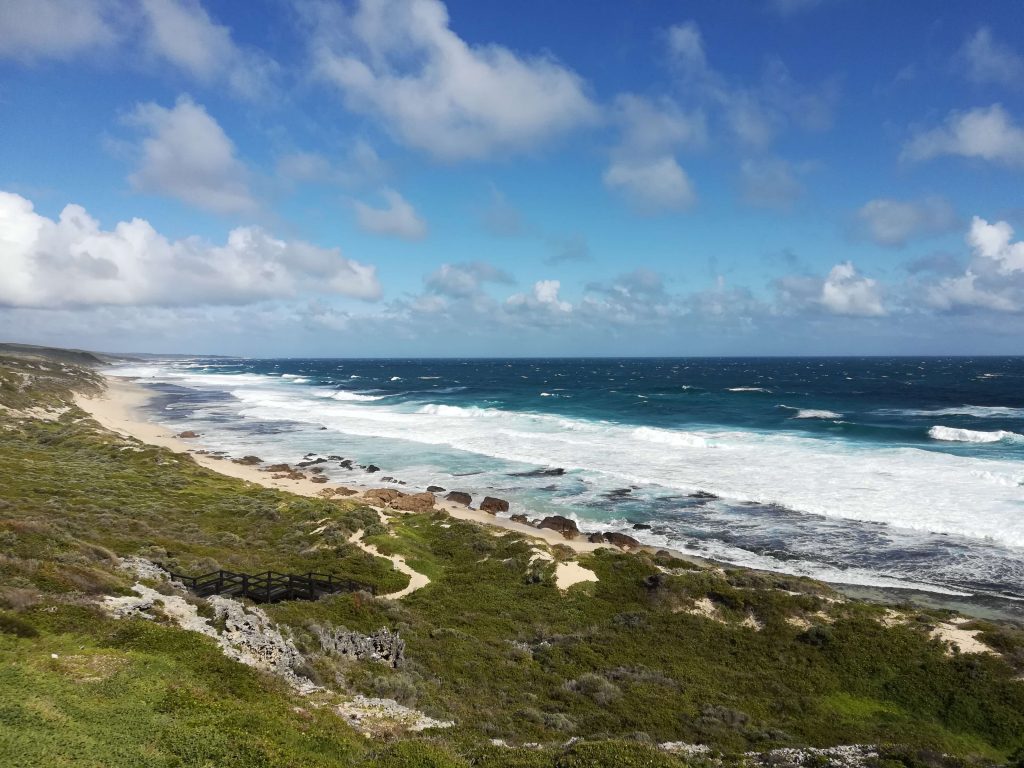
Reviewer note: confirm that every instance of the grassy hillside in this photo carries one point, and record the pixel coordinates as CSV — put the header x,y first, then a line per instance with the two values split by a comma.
x,y
657,650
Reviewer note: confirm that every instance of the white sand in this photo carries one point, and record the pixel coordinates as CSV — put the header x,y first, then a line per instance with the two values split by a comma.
x,y
417,580
119,410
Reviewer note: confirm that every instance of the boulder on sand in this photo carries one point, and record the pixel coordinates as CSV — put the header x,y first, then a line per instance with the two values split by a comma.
x,y
249,461
188,433
414,502
621,540
382,497
563,525
278,468
318,479
459,498
596,538
521,519
493,505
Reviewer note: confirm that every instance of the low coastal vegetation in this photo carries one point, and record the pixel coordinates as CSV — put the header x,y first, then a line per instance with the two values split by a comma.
x,y
634,669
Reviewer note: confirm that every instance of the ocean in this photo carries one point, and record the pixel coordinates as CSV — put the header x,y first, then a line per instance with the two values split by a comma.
x,y
883,472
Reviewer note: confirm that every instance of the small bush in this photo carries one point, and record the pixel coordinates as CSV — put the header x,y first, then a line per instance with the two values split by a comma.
x,y
17,626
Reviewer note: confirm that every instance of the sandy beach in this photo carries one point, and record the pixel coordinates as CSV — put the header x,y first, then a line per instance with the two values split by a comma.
x,y
119,409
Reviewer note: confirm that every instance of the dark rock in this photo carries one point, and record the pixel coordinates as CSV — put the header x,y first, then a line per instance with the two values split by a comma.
x,y
332,457
278,468
493,505
553,472
345,464
617,494
621,540
563,525
596,538
372,468
702,495
641,527
435,489
317,470
311,462
318,479
249,461
459,498
521,519
188,433
663,553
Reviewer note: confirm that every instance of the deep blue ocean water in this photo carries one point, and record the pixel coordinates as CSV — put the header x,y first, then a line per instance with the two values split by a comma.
x,y
877,471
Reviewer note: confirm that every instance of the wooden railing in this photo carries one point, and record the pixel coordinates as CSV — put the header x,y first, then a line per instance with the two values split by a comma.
x,y
268,587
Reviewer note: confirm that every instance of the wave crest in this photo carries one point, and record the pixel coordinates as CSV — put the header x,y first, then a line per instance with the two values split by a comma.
x,y
952,434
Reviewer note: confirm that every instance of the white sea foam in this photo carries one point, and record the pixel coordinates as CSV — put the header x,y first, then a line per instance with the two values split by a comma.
x,y
342,394
748,389
953,434
395,378
978,411
811,413
915,489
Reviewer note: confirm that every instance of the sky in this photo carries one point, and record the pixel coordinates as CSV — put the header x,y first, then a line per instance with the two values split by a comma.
x,y
396,178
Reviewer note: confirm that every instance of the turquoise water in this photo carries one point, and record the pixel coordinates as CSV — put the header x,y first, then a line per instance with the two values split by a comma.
x,y
889,472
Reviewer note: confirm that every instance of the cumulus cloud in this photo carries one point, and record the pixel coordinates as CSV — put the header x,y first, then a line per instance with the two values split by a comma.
x,y
770,183
986,60
399,61
72,261
843,291
651,185
181,33
994,278
462,281
643,166
894,222
187,155
542,304
985,133
397,219
32,30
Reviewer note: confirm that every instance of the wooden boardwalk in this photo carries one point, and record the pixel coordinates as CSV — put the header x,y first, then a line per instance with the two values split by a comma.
x,y
268,587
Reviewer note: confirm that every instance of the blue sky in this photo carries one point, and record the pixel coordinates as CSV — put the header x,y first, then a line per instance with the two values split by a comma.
x,y
413,177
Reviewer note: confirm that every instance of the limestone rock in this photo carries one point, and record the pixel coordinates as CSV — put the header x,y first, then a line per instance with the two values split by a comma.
x,y
459,498
415,502
383,646
188,433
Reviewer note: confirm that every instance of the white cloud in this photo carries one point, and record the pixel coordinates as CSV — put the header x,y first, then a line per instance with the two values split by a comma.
x,y
894,222
399,61
181,32
187,155
651,127
989,61
359,166
32,30
994,280
74,262
847,292
844,291
651,185
541,304
461,281
984,133
769,183
398,219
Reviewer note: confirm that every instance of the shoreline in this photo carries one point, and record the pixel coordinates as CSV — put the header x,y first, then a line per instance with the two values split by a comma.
x,y
119,408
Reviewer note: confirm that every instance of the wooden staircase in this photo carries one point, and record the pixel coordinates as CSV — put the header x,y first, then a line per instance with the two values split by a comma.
x,y
268,587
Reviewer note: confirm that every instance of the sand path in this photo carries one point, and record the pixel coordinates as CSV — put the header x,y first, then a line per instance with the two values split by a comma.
x,y
417,580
